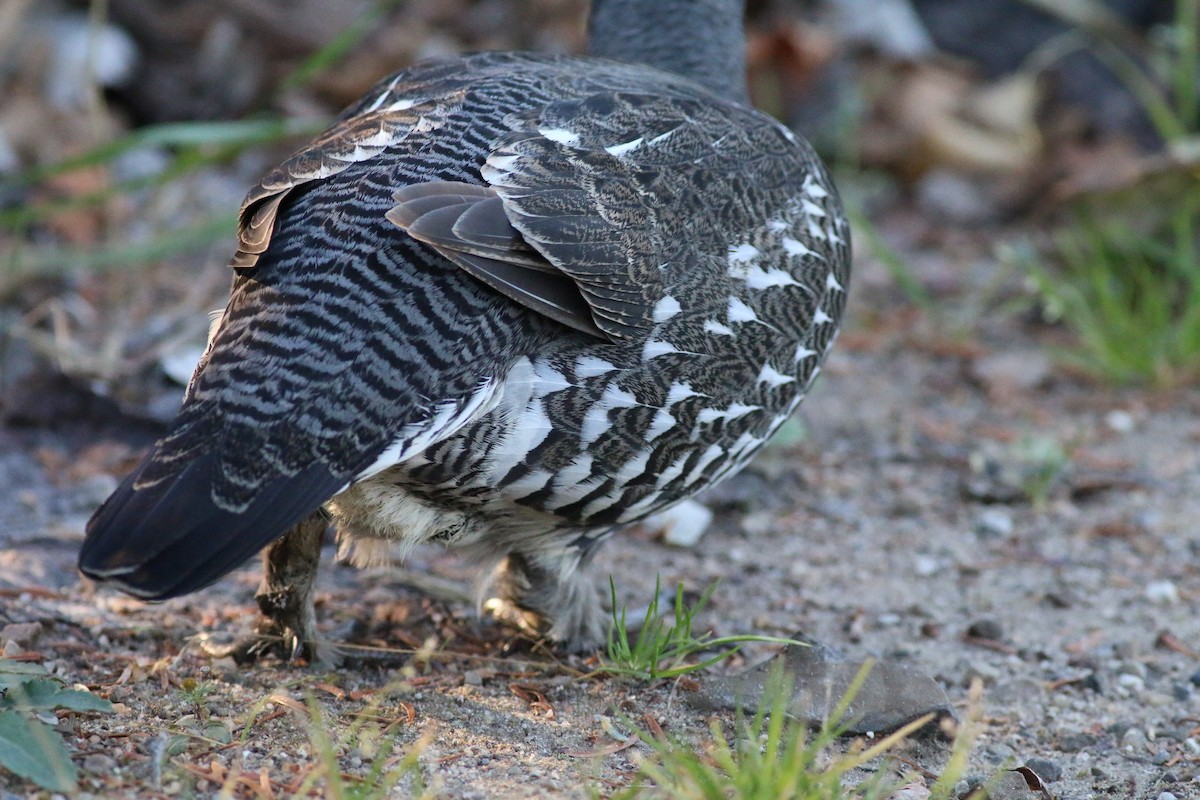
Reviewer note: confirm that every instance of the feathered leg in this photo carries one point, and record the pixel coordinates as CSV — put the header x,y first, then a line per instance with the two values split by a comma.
x,y
550,594
285,595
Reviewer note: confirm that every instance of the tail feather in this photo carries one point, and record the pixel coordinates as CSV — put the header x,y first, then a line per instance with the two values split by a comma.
x,y
171,537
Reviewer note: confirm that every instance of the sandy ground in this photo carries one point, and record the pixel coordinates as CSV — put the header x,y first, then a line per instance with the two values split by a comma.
x,y
894,521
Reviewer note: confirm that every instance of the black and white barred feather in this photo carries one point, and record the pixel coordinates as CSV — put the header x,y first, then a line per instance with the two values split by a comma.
x,y
509,301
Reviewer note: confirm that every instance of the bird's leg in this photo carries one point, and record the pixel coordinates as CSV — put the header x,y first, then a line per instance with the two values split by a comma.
x,y
551,594
285,595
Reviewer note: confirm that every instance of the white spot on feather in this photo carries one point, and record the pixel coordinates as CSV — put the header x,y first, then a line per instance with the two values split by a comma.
x,y
595,423
759,279
666,307
402,104
719,328
655,348
383,96
679,392
526,485
773,377
591,366
560,135
619,150
447,417
711,454
663,421
740,312
821,318
548,380
735,410
831,283
795,247
742,253
803,352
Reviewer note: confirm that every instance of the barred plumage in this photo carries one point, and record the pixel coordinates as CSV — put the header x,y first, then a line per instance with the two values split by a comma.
x,y
508,301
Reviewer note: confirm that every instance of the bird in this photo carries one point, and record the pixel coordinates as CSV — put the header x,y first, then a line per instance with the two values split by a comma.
x,y
509,302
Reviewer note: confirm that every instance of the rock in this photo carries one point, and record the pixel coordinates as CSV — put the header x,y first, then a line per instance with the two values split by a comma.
x,y
1075,742
1012,372
1130,684
21,634
993,522
1046,769
84,55
1009,786
1164,593
1120,421
948,194
1134,740
891,696
986,629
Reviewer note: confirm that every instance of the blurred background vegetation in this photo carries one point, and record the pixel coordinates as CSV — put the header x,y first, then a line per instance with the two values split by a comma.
x,y
1029,162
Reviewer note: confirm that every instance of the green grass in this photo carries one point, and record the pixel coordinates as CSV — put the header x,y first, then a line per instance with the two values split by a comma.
x,y
1130,296
773,756
1124,273
666,649
387,771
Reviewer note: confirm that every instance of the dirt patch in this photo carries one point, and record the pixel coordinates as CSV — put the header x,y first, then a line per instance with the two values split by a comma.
x,y
874,531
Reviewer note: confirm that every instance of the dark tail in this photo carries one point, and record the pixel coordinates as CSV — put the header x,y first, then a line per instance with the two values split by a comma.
x,y
171,538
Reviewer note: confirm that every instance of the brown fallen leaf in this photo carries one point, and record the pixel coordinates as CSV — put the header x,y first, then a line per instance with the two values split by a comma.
x,y
1034,781
534,697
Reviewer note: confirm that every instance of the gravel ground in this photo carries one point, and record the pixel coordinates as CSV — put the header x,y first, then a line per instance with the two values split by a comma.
x,y
894,521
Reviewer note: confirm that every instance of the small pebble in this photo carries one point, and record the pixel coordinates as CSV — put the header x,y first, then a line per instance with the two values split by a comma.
x,y
1120,421
988,629
1134,739
1195,679
1162,592
994,522
1074,742
1167,796
1133,668
1130,684
1161,757
925,566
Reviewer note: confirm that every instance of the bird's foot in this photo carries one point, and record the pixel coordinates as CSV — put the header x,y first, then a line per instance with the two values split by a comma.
x,y
285,598
549,596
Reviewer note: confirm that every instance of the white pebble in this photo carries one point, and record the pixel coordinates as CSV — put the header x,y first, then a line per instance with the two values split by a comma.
x,y
1120,421
1131,684
994,522
926,566
1162,592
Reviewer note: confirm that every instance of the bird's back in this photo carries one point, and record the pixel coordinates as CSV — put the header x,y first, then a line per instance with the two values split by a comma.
x,y
539,294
